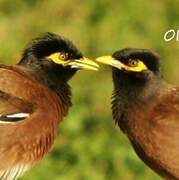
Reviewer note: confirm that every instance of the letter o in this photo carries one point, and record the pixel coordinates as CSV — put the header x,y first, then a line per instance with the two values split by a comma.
x,y
172,32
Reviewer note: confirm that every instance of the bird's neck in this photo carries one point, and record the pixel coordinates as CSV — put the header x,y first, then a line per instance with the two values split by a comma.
x,y
126,96
53,81
137,91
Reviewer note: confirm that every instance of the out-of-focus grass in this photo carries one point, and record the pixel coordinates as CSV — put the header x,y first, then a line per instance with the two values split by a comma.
x,y
89,145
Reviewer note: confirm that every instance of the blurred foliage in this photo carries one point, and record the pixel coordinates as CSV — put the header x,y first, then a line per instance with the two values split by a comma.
x,y
89,145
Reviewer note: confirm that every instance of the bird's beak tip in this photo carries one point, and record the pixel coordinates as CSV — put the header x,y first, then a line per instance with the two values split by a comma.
x,y
110,61
104,59
84,63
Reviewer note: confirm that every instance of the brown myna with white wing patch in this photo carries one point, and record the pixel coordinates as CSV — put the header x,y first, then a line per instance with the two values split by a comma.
x,y
34,98
146,108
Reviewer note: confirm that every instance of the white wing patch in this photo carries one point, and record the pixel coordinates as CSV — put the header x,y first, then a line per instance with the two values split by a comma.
x,y
12,118
18,115
14,172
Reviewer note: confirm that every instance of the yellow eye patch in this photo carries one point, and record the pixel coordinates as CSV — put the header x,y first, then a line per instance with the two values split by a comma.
x,y
140,66
58,58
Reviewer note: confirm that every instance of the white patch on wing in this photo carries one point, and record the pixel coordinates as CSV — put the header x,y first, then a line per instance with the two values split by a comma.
x,y
18,115
14,172
12,116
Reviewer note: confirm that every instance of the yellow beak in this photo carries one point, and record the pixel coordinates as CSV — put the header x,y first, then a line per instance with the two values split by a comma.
x,y
83,63
109,60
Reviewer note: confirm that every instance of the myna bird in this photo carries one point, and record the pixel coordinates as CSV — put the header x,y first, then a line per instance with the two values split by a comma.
x,y
34,98
146,108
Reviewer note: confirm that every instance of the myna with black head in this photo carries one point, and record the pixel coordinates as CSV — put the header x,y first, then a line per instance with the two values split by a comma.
x,y
146,108
34,98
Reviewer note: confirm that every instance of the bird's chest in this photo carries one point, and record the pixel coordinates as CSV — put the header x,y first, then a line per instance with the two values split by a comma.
x,y
132,119
43,127
37,147
152,138
136,122
146,125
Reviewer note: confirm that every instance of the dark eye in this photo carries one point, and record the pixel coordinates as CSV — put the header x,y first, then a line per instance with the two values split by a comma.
x,y
63,56
133,62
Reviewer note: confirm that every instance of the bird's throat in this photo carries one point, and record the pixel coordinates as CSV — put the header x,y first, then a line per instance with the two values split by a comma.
x,y
128,96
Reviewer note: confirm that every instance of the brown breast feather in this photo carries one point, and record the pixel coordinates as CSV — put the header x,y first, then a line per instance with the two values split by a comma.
x,y
153,130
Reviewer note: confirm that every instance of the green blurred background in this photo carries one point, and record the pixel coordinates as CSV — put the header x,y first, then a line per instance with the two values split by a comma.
x,y
89,145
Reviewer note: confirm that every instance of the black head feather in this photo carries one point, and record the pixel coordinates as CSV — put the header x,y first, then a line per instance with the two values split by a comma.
x,y
150,59
131,83
48,44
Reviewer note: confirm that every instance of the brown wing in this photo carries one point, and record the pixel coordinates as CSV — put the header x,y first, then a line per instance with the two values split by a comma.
x,y
157,141
13,109
29,115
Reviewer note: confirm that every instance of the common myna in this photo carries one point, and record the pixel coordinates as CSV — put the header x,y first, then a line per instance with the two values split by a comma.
x,y
146,108
34,98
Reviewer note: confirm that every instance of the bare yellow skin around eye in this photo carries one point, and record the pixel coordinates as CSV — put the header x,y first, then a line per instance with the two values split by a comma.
x,y
55,57
140,67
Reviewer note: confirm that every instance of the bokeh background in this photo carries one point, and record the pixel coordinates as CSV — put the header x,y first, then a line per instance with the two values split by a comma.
x,y
89,145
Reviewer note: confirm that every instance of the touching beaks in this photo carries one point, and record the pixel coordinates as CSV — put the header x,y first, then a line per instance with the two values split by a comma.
x,y
83,63
109,60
